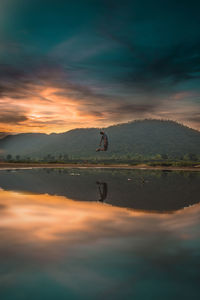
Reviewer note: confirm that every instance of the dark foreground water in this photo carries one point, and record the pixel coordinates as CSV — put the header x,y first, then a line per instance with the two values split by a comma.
x,y
99,234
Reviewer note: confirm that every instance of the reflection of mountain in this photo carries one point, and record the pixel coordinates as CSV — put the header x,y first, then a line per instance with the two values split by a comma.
x,y
148,137
137,189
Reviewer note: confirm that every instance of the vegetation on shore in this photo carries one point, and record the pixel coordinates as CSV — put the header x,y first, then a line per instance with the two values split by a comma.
x,y
157,161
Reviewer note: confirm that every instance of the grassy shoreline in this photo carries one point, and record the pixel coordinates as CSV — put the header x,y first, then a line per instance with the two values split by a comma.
x,y
4,165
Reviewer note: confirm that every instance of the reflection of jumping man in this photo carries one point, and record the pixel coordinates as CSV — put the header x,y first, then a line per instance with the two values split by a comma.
x,y
103,190
104,139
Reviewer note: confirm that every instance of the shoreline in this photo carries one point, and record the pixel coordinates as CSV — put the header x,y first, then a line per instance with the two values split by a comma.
x,y
10,166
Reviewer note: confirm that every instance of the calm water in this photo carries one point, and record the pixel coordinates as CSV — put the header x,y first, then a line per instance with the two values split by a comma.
x,y
99,234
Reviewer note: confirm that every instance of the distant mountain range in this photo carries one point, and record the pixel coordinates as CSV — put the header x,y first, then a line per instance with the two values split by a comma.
x,y
145,138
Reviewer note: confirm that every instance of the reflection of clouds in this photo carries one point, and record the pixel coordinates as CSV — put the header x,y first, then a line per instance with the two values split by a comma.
x,y
46,218
75,240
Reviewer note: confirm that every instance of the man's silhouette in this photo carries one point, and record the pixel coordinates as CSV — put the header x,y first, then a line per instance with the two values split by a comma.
x,y
104,139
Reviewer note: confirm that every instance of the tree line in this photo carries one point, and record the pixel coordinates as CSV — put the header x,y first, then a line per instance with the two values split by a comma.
x,y
113,158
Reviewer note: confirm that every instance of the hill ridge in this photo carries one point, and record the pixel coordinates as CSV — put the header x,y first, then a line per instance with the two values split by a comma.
x,y
145,138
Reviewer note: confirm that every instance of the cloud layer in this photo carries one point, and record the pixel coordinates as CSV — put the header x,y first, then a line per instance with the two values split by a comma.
x,y
106,63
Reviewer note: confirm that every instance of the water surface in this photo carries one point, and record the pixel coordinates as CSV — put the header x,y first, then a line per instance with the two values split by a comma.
x,y
85,234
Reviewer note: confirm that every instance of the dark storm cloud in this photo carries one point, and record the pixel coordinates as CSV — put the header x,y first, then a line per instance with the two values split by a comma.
x,y
136,108
12,118
153,65
164,71
19,83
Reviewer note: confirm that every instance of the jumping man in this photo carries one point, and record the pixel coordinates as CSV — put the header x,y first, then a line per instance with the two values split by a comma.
x,y
104,139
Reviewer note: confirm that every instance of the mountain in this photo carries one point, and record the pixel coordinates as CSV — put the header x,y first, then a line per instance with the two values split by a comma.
x,y
146,138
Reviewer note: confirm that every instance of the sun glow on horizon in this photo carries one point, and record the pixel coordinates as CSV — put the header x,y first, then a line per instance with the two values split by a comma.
x,y
49,109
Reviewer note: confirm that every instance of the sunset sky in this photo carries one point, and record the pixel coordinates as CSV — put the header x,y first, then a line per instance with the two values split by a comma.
x,y
93,63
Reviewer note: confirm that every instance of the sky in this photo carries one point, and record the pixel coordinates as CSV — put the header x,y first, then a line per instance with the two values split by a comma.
x,y
93,63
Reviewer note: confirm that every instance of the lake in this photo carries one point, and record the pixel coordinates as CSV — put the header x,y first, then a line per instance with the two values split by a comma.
x,y
99,234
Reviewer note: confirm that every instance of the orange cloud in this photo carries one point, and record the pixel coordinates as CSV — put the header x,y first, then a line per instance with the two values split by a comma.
x,y
48,108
